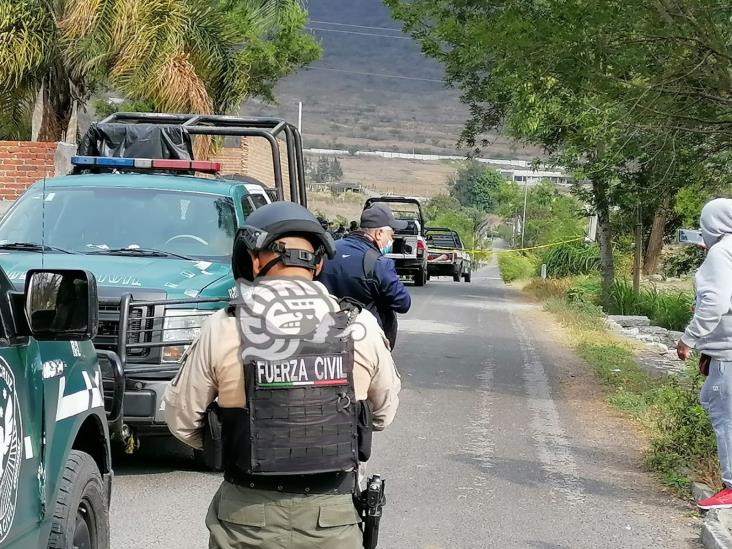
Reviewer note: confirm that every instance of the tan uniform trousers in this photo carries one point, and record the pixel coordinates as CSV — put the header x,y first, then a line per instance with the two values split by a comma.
x,y
243,518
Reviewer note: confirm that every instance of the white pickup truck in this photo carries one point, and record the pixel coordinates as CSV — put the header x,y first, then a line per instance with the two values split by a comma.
x,y
410,249
447,255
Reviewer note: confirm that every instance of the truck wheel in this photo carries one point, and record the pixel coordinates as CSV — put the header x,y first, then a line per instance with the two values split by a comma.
x,y
456,275
80,516
420,278
467,276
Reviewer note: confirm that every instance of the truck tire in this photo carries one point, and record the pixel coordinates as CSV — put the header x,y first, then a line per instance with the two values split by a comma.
x,y
420,278
456,274
467,276
80,516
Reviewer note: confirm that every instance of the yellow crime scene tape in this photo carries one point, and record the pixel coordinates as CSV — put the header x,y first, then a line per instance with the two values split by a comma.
x,y
515,250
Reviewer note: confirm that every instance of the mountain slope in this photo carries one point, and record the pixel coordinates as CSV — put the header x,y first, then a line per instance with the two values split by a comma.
x,y
373,88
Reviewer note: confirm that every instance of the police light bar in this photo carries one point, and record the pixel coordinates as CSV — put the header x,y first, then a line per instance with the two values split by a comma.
x,y
146,163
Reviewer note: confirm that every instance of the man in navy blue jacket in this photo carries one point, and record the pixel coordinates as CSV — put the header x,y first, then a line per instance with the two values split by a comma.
x,y
360,271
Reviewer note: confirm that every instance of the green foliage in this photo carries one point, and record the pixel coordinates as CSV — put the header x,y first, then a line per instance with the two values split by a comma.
x,y
632,96
437,205
584,289
104,108
514,266
179,56
552,216
683,261
460,222
682,437
669,309
475,185
325,170
571,259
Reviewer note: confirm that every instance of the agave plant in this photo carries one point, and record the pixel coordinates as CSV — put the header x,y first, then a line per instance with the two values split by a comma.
x,y
200,56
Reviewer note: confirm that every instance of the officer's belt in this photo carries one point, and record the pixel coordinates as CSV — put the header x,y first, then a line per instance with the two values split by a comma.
x,y
323,483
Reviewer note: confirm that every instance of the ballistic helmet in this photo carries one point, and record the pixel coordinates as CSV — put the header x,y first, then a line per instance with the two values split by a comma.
x,y
272,222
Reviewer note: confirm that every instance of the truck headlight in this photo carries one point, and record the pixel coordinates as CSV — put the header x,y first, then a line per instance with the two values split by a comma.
x,y
181,325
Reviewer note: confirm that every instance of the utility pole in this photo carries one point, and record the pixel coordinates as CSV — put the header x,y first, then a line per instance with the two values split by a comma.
x,y
523,221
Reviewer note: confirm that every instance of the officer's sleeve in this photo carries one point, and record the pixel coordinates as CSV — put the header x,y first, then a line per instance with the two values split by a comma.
x,y
192,390
375,375
393,292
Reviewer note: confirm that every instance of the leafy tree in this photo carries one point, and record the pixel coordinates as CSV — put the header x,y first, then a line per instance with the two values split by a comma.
x,y
177,55
335,170
631,96
475,185
459,221
321,171
437,205
552,216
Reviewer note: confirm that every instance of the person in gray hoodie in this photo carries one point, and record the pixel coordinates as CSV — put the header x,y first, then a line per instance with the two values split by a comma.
x,y
710,332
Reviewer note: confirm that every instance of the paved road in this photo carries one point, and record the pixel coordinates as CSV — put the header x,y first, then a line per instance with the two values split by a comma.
x,y
502,440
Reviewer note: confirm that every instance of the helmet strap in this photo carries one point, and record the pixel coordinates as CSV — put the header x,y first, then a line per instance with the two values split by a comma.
x,y
293,257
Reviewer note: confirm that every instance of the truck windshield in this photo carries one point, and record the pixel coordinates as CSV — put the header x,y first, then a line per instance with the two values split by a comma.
x,y
95,219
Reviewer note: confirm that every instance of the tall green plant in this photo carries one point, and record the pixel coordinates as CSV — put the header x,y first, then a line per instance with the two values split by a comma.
x,y
178,55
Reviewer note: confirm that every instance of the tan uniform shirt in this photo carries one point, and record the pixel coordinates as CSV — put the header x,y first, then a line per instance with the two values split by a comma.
x,y
214,368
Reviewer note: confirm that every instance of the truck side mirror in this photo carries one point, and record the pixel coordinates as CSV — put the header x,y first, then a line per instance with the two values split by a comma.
x,y
61,304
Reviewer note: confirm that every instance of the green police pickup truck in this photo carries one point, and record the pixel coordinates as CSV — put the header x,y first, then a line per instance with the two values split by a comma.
x,y
156,233
55,460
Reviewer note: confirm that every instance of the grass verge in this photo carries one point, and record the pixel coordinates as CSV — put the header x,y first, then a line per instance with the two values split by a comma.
x,y
682,447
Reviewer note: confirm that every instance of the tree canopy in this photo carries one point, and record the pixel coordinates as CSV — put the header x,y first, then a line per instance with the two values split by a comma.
x,y
634,97
196,56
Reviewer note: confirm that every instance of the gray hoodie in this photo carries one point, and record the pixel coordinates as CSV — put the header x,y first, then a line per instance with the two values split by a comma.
x,y
710,331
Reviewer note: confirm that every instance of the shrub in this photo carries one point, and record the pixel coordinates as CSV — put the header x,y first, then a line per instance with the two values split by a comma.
x,y
514,266
584,289
682,439
571,259
670,309
681,262
549,288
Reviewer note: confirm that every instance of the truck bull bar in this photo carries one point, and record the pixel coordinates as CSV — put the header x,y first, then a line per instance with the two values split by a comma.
x,y
113,401
151,329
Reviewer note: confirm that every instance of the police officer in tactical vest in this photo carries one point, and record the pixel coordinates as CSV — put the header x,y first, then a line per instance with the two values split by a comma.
x,y
297,408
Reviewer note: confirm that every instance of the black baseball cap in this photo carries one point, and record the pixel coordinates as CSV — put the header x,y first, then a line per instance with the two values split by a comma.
x,y
378,215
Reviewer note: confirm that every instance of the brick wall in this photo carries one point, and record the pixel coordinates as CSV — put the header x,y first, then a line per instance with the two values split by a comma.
x,y
253,157
23,163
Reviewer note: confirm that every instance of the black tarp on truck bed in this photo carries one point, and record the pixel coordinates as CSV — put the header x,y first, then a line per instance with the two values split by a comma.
x,y
137,141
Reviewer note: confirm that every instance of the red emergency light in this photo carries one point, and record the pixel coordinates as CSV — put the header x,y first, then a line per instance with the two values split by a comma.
x,y
146,163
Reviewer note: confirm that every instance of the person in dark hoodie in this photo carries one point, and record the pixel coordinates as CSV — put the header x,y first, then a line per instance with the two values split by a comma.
x,y
360,271
710,332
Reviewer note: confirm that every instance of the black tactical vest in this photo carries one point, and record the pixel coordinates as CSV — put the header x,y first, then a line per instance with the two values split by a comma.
x,y
301,416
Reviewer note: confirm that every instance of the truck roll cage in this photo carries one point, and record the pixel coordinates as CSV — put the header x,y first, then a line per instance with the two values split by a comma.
x,y
238,126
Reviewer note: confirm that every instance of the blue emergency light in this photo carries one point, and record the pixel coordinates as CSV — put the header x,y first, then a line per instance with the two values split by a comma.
x,y
146,163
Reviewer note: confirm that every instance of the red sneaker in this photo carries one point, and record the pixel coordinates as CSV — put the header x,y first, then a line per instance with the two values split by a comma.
x,y
720,500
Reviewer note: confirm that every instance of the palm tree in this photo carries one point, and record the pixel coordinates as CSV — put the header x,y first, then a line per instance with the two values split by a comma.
x,y
200,56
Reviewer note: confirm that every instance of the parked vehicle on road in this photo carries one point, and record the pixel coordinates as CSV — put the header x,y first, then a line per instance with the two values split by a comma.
x,y
409,252
156,233
55,455
447,256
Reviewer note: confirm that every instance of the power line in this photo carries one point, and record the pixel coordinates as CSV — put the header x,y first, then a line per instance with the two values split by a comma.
x,y
354,26
361,33
381,75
